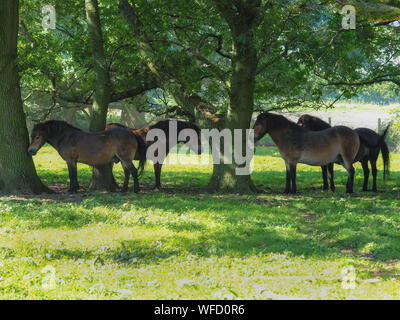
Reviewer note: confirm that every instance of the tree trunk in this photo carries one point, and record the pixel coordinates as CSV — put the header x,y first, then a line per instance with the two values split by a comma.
x,y
103,85
17,171
240,110
102,177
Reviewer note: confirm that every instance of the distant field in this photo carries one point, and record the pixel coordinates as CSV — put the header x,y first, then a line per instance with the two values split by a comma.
x,y
346,106
353,115
185,243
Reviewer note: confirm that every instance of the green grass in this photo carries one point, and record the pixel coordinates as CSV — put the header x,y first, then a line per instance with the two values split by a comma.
x,y
185,243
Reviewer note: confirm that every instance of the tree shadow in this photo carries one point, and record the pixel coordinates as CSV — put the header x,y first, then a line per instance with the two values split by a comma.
x,y
308,225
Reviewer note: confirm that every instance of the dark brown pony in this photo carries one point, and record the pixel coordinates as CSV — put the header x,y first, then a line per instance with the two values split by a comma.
x,y
164,126
95,149
371,144
312,123
315,148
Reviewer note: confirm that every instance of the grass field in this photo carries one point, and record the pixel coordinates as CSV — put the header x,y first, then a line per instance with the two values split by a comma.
x,y
185,243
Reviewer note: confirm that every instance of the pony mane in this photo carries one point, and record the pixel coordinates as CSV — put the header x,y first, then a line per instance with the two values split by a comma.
x,y
314,123
116,124
182,124
277,121
54,126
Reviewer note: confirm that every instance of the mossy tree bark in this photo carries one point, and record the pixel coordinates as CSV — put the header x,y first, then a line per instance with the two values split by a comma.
x,y
242,21
17,171
102,178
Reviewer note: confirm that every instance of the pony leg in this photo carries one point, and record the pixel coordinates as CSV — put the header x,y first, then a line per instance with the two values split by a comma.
x,y
129,168
77,187
287,188
374,174
364,164
112,175
157,173
126,181
293,177
134,173
73,178
350,180
325,177
331,176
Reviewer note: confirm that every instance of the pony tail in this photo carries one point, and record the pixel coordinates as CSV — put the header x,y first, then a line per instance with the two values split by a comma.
x,y
142,153
386,160
385,153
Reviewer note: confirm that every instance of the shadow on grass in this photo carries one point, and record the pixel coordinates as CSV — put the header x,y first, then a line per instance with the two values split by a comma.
x,y
218,244
309,225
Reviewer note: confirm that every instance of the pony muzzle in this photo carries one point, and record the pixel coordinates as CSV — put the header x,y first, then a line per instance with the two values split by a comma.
x,y
32,151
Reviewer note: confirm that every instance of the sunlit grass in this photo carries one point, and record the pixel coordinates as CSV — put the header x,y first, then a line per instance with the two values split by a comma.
x,y
185,243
